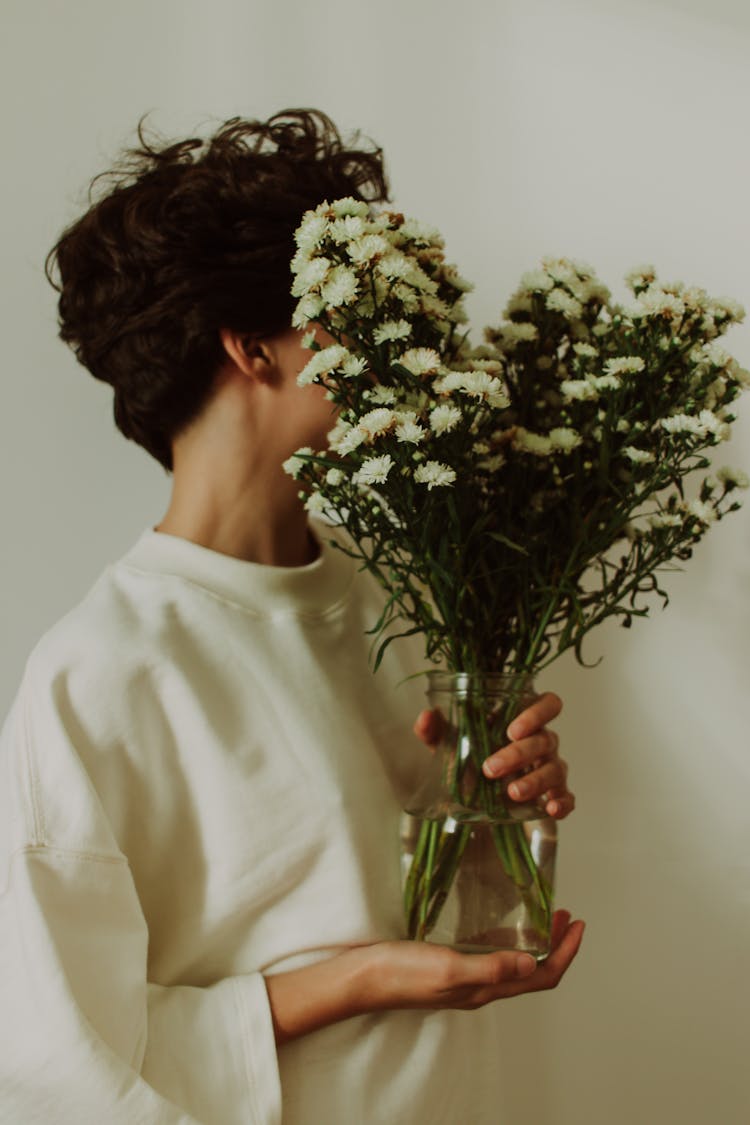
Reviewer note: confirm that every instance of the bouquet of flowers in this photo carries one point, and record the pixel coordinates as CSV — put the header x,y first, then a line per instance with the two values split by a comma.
x,y
508,496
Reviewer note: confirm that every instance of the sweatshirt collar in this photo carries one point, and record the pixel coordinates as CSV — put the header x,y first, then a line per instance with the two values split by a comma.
x,y
313,589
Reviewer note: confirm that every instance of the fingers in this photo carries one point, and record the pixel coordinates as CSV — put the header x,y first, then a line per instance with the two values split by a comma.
x,y
543,710
523,755
409,974
558,803
471,970
533,754
550,972
566,942
560,922
430,727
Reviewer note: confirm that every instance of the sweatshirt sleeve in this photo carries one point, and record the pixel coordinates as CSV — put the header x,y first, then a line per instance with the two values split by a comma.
x,y
85,1037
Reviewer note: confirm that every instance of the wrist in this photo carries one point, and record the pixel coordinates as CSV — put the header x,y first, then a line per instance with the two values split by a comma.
x,y
335,989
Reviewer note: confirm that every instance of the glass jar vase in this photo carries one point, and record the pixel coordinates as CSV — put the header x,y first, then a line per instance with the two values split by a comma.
x,y
478,867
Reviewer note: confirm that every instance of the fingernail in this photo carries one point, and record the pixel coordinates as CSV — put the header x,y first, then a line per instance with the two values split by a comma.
x,y
553,808
525,965
517,790
490,769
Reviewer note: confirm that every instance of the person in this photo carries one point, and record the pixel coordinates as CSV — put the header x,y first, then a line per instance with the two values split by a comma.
x,y
201,775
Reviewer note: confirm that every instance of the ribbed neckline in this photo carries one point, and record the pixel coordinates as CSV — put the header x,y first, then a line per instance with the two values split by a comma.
x,y
313,589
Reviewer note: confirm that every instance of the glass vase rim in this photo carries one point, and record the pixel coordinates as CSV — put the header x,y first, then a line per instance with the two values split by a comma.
x,y
463,681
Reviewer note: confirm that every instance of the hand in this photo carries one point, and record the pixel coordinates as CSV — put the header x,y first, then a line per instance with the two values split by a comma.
x,y
411,974
533,749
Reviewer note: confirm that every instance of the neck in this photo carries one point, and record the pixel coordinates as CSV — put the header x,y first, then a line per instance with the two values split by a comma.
x,y
255,515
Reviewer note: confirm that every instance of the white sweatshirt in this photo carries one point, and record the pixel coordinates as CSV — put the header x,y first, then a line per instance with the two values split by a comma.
x,y
200,784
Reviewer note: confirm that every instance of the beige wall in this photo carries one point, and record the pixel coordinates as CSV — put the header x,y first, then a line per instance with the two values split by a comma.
x,y
613,132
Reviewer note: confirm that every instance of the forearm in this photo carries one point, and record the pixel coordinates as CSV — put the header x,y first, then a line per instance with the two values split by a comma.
x,y
411,974
304,1000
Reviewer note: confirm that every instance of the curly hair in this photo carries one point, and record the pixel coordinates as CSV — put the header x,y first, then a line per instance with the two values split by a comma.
x,y
193,236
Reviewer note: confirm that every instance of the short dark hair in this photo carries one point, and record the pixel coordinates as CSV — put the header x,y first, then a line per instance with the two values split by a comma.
x,y
193,236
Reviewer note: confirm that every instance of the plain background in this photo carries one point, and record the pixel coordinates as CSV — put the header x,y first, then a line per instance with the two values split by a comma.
x,y
613,132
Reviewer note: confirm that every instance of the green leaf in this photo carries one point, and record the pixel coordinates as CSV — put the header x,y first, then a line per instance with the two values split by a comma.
x,y
500,538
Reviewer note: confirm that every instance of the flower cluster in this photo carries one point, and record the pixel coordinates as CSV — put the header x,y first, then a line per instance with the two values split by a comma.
x,y
486,486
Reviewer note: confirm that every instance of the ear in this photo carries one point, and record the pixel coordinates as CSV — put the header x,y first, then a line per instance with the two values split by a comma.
x,y
247,352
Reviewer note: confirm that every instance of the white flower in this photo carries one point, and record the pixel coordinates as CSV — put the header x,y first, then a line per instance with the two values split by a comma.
x,y
479,384
701,511
376,422
733,478
420,232
354,365
434,474
623,426
725,306
340,428
334,477
348,441
479,363
409,299
346,229
394,265
712,353
311,275
706,423
315,503
696,299
392,330
681,423
527,442
559,300
492,464
340,288
374,470
434,307
564,439
623,365
638,456
514,333
592,289
347,205
420,361
536,281
579,389
640,276
294,464
368,247
310,231
322,363
561,269
420,280
308,339
584,349
309,308
665,519
381,394
713,424
606,382
454,278
519,302
444,418
410,431
656,302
